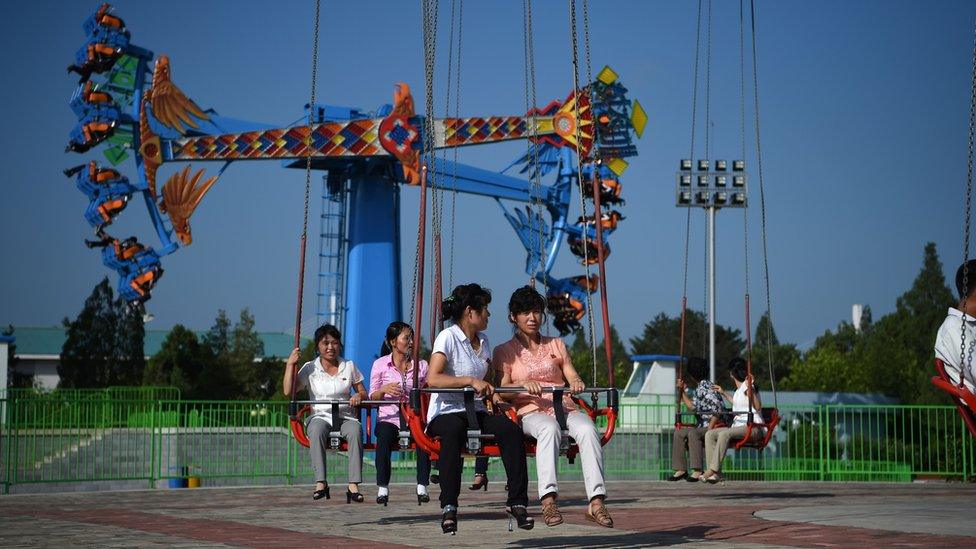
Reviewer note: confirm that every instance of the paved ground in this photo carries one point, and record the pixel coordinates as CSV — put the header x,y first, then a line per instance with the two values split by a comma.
x,y
647,514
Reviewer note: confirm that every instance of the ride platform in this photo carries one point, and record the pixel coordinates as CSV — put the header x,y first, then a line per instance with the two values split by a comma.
x,y
735,514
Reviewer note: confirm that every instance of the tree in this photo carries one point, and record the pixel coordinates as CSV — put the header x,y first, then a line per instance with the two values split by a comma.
x,y
178,363
766,346
662,335
104,344
89,348
257,377
217,379
582,357
15,379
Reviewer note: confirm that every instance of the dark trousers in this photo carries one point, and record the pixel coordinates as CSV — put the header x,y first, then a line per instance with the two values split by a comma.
x,y
386,438
452,428
481,465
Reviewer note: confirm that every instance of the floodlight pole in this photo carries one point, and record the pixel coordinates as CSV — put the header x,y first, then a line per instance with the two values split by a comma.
x,y
711,293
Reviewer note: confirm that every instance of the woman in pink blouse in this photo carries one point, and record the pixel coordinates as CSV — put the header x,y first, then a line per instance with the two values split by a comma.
x,y
392,379
534,361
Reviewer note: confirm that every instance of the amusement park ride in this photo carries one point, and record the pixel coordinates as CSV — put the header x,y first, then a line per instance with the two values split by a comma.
x,y
128,105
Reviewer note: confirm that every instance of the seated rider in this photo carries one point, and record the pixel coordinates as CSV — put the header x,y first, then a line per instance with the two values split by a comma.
x,y
948,342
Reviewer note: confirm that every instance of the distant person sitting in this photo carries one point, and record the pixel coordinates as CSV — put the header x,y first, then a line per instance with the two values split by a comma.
x,y
707,405
717,440
949,342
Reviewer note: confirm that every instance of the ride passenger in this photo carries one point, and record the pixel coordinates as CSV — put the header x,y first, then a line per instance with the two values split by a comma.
x,y
533,361
391,378
460,358
717,440
330,377
948,341
708,405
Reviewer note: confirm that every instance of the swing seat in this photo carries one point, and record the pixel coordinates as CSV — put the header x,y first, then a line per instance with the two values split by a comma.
x,y
482,444
770,421
297,414
962,397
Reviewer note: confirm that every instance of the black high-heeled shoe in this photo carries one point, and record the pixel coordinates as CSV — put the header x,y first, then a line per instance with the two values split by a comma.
x,y
382,499
422,498
355,496
449,520
323,493
519,515
482,485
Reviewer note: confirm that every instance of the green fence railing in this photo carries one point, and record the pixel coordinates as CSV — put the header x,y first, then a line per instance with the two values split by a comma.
x,y
144,442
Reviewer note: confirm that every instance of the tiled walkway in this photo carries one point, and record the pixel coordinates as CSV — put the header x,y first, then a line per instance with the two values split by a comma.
x,y
737,514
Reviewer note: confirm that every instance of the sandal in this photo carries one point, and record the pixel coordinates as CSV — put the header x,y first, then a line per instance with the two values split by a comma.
x,y
323,493
551,515
676,476
480,483
601,517
517,514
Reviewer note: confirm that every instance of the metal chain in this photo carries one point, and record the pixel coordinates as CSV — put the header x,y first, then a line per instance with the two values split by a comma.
x,y
308,186
742,142
762,205
967,360
457,114
708,81
429,19
532,146
579,183
691,155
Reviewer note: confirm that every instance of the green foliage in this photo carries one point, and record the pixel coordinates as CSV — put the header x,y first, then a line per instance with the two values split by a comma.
x,y
582,357
891,356
104,344
662,335
15,379
178,363
766,346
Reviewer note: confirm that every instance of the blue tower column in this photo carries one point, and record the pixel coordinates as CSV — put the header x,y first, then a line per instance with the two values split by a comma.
x,y
372,297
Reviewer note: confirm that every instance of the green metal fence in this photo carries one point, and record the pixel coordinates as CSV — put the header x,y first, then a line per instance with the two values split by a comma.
x,y
79,438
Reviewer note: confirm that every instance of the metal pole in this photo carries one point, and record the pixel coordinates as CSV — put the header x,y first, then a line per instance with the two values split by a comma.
x,y
711,293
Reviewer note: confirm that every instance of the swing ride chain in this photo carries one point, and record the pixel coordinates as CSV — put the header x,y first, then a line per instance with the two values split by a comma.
x,y
964,360
694,113
742,141
579,181
762,205
708,132
457,114
429,19
308,186
532,145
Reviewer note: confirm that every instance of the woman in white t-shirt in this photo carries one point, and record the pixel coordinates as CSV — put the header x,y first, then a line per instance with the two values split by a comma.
x,y
330,377
460,358
717,440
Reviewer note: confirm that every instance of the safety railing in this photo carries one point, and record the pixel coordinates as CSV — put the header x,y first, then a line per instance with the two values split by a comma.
x,y
133,442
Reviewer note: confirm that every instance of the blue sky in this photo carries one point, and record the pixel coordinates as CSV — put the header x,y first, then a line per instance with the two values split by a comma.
x,y
864,122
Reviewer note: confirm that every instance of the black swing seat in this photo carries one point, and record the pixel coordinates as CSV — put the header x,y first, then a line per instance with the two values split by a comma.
x,y
962,397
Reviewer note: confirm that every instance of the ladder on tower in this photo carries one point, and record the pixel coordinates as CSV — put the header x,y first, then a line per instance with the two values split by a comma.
x,y
332,250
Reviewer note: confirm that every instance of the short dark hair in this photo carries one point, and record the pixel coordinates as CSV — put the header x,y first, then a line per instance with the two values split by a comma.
x,y
464,296
696,368
961,286
393,331
526,299
327,330
738,368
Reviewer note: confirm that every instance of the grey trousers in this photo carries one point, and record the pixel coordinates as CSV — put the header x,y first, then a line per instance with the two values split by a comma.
x,y
318,429
545,429
694,440
717,442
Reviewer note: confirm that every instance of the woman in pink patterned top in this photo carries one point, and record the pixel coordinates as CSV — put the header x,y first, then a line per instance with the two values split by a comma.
x,y
534,361
392,379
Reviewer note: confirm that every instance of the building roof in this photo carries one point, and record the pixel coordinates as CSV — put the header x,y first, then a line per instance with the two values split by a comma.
x,y
48,340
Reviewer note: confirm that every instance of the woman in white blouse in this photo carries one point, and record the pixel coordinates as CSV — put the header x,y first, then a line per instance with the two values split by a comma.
x,y
717,440
460,358
330,377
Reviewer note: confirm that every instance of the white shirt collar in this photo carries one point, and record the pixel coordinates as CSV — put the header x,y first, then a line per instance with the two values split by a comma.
x,y
959,314
459,333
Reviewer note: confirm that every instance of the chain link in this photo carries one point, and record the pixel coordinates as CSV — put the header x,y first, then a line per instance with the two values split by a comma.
x,y
691,154
532,145
742,155
967,360
457,114
762,205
